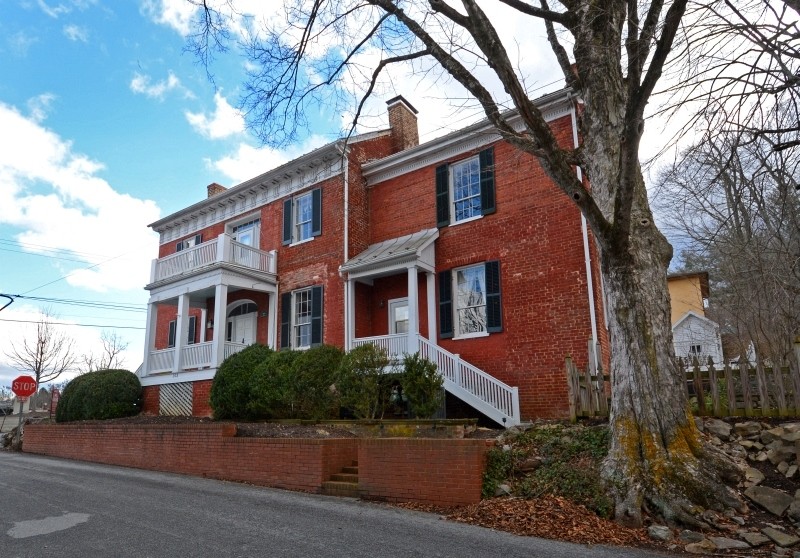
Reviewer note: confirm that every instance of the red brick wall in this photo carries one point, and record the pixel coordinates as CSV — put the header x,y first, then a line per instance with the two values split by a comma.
x,y
421,470
441,472
536,235
151,400
201,392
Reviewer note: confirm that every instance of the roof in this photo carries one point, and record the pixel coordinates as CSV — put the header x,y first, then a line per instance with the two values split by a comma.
x,y
394,250
693,314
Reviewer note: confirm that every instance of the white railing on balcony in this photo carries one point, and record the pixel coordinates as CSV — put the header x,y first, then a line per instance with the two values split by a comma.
x,y
197,355
496,399
395,345
233,348
219,250
161,361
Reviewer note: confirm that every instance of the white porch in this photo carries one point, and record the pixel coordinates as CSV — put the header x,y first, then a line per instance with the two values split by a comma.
x,y
413,255
188,280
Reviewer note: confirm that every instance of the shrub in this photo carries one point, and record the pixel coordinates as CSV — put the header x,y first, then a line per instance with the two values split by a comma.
x,y
361,384
100,395
230,390
270,389
422,385
311,386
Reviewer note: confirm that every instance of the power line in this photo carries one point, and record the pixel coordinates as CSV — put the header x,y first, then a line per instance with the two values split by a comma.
x,y
95,304
42,255
69,324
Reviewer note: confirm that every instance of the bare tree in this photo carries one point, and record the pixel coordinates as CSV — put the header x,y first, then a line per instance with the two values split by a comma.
x,y
731,199
46,356
620,49
110,356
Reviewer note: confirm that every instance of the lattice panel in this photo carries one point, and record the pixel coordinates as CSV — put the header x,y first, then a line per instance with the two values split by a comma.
x,y
175,400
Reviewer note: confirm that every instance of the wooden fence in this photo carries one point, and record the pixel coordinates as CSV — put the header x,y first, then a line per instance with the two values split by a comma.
x,y
745,389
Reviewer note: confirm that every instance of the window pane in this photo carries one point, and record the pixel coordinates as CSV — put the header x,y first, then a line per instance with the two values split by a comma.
x,y
302,318
471,300
466,179
303,211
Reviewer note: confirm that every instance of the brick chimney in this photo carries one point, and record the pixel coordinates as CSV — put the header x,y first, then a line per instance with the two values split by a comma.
x,y
214,189
403,123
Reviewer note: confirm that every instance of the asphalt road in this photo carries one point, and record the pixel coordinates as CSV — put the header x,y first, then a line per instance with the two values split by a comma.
x,y
52,507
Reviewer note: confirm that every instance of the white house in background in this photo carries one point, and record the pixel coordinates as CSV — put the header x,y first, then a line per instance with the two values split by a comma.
x,y
693,334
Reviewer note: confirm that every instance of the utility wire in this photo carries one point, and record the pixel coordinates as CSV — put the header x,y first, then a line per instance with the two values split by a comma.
x,y
96,304
69,324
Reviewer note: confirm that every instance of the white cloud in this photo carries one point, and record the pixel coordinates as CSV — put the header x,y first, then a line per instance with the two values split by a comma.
x,y
40,106
76,33
225,120
249,161
141,84
177,14
20,42
55,196
54,11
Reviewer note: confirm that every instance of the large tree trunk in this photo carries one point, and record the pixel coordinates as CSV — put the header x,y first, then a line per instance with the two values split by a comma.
x,y
657,459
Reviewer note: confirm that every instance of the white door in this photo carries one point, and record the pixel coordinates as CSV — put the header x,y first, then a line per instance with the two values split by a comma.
x,y
242,329
398,315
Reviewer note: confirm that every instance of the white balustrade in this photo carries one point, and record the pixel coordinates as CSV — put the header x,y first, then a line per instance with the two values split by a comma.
x,y
212,252
161,361
197,355
395,345
233,348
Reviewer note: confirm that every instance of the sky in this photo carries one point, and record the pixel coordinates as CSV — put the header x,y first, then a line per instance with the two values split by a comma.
x,y
107,125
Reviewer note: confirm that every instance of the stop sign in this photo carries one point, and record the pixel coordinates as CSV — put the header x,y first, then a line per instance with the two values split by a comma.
x,y
23,386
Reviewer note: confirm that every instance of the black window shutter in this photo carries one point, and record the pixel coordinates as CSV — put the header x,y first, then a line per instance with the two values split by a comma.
x,y
316,212
445,304
179,246
192,330
286,320
494,314
316,316
198,239
171,336
486,158
287,221
442,196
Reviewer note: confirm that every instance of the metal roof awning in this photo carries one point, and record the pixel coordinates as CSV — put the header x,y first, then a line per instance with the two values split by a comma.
x,y
393,255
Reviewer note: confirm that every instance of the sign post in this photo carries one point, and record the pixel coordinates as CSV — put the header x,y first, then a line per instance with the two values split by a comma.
x,y
23,387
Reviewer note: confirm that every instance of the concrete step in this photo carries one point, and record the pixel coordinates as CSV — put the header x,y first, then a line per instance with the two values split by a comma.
x,y
352,470
339,488
345,477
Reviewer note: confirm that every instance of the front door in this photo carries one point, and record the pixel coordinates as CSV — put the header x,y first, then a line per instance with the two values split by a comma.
x,y
242,329
398,315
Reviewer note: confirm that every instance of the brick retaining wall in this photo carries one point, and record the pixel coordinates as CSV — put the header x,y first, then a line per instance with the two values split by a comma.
x,y
442,471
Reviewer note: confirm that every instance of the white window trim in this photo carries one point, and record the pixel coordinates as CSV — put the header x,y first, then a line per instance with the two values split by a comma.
x,y
451,191
457,335
299,242
293,320
229,227
296,221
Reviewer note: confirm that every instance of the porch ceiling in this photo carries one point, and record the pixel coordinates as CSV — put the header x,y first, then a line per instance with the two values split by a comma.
x,y
394,254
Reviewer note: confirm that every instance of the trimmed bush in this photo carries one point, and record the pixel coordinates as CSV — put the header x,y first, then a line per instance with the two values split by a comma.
x,y
362,385
271,389
422,385
231,388
100,395
313,375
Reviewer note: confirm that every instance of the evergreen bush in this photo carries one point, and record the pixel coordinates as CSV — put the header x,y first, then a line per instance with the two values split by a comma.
x,y
271,388
313,375
361,383
100,395
231,388
422,385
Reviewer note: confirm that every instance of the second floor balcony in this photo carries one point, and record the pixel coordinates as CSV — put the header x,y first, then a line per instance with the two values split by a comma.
x,y
218,252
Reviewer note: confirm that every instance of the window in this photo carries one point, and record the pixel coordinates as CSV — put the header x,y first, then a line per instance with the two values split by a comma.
x,y
465,190
695,350
191,334
301,318
247,233
302,217
189,242
469,301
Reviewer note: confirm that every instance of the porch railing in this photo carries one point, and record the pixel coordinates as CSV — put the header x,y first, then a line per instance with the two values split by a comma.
x,y
197,355
484,392
194,356
222,249
233,348
395,345
161,361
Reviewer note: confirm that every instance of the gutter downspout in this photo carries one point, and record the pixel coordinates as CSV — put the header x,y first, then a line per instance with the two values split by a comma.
x,y
587,259
345,250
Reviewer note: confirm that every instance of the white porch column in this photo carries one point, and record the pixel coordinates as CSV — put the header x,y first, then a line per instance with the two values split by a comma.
x,y
430,283
149,336
350,315
203,319
413,311
181,330
220,325
272,321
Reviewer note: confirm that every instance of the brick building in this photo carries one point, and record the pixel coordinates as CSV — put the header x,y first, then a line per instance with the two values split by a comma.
x,y
460,248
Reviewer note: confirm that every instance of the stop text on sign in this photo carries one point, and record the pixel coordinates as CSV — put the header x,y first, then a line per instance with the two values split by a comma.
x,y
23,386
